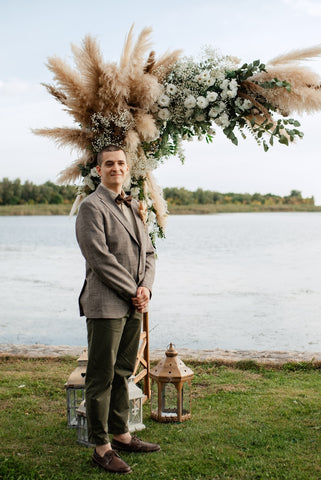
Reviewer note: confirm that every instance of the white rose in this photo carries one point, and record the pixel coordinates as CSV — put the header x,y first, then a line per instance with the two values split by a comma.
x,y
88,181
201,102
231,93
164,100
135,192
94,173
171,89
164,114
222,120
213,112
224,84
247,104
190,102
233,84
211,96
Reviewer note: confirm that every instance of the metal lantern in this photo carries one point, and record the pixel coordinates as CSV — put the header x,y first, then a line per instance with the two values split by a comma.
x,y
171,392
75,388
135,420
136,399
82,429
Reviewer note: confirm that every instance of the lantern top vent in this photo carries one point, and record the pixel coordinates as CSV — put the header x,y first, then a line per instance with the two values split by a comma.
x,y
171,368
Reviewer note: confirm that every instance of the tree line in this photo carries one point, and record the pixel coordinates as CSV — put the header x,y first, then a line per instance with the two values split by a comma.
x,y
14,192
181,196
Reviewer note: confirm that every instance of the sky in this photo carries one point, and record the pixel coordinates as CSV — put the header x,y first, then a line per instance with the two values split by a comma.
x,y
32,30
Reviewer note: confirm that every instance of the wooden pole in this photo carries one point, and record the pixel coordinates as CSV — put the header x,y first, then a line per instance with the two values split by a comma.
x,y
146,354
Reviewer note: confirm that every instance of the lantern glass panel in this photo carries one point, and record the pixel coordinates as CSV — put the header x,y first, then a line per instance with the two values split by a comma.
x,y
154,397
135,409
186,395
169,400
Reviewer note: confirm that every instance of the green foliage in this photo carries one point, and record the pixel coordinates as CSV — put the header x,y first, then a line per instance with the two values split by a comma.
x,y
182,196
16,193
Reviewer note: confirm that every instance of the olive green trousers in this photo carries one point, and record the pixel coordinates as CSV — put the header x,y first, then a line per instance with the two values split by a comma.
x,y
112,351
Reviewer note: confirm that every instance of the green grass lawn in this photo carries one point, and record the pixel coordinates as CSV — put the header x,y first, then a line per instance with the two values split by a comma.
x,y
247,423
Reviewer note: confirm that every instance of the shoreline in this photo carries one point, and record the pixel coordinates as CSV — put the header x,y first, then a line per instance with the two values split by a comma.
x,y
192,209
265,357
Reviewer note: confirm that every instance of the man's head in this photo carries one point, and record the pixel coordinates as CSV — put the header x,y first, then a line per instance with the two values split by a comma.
x,y
112,166
109,148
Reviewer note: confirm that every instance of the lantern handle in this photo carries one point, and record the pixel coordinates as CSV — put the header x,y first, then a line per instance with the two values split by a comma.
x,y
171,352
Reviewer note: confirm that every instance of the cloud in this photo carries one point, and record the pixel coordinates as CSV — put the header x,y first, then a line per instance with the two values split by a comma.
x,y
311,7
16,86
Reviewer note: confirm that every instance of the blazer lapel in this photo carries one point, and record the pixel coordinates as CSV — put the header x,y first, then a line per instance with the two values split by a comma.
x,y
110,203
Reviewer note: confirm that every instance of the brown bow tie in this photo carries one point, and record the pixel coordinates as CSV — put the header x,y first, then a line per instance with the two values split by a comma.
x,y
122,199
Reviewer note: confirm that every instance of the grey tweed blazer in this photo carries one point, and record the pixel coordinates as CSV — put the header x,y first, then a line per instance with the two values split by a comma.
x,y
118,260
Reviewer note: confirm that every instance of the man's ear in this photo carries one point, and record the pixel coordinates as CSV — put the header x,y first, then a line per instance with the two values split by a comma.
x,y
98,168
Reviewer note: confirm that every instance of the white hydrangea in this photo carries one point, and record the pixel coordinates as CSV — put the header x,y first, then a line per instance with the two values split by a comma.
x,y
171,89
164,114
164,100
202,102
190,102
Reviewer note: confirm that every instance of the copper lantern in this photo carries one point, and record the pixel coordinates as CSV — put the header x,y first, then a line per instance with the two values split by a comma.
x,y
171,389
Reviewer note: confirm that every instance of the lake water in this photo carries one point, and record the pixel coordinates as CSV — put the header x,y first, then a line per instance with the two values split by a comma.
x,y
231,281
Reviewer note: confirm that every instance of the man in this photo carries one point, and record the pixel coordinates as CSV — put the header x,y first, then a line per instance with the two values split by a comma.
x,y
120,268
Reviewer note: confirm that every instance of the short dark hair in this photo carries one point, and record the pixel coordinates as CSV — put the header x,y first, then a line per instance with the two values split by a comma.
x,y
109,148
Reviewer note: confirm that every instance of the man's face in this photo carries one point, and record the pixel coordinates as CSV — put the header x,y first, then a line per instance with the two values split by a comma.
x,y
113,170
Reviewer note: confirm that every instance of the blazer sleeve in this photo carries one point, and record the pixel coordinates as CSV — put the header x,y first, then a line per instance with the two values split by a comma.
x,y
149,276
91,237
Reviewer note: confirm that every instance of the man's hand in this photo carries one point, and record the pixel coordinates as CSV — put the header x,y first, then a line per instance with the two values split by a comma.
x,y
141,300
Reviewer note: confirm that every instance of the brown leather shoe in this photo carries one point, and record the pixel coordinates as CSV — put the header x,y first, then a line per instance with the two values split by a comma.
x,y
111,462
136,445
